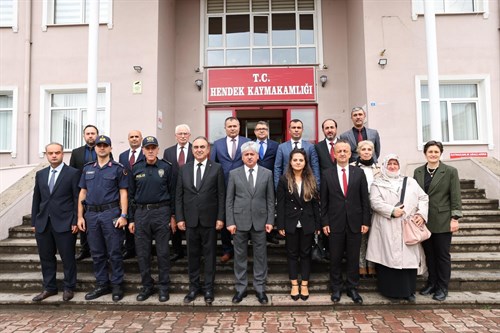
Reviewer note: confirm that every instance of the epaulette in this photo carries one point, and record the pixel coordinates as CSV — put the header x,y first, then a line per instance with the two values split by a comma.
x,y
88,163
117,163
168,162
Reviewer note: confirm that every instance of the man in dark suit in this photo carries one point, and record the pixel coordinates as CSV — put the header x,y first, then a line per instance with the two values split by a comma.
x,y
295,129
359,133
325,148
128,158
79,157
226,151
345,215
250,215
200,211
178,154
53,217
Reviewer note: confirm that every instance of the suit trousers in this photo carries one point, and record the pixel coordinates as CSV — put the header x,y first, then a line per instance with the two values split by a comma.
x,y
201,241
149,225
49,242
438,259
105,243
259,244
298,250
350,243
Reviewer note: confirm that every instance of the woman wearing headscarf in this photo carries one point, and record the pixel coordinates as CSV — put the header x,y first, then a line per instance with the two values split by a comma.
x,y
396,262
370,168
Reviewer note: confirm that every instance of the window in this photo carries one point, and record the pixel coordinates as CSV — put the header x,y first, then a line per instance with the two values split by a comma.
x,y
65,115
8,14
67,12
464,108
452,7
260,32
8,120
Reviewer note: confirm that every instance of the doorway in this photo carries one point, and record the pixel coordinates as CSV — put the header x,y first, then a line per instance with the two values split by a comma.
x,y
275,118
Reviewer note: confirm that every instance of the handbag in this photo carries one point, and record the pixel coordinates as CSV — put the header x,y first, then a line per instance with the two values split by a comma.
x,y
318,250
412,233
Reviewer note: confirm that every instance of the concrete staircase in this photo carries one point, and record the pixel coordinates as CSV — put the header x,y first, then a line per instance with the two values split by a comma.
x,y
475,270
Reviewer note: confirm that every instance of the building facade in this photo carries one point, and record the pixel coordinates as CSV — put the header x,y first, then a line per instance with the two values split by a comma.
x,y
199,61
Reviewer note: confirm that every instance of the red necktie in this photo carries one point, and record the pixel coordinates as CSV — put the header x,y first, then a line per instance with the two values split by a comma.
x,y
344,181
332,151
182,159
360,136
131,161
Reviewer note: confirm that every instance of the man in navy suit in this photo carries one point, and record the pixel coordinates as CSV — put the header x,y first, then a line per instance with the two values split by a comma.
x,y
53,217
295,129
359,133
227,152
128,158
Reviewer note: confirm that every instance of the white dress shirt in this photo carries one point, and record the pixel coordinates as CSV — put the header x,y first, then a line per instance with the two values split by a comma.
x,y
340,175
195,169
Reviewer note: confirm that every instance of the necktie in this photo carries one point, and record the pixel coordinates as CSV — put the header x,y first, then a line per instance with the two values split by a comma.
x,y
182,159
90,156
344,181
250,179
198,176
233,149
332,151
261,150
360,135
296,145
52,180
131,161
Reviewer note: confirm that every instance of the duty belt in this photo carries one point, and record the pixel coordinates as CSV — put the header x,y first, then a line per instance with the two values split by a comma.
x,y
153,205
102,208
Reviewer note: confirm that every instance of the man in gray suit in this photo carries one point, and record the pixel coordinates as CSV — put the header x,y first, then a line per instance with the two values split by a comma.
x,y
250,214
359,133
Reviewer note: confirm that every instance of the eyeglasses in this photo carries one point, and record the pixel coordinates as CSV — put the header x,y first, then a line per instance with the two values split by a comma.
x,y
182,134
261,129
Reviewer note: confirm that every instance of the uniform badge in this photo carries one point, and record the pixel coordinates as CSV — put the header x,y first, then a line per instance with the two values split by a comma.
x,y
125,172
161,172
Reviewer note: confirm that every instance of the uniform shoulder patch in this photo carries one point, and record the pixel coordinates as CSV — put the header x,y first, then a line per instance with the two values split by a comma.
x,y
168,162
117,163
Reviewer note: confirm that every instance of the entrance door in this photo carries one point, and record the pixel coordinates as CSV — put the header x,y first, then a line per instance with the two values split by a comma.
x,y
275,118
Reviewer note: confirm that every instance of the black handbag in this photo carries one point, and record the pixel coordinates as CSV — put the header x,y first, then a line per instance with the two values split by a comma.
x,y
318,252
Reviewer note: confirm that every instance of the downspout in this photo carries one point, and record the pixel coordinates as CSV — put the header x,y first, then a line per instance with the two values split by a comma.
x,y
27,83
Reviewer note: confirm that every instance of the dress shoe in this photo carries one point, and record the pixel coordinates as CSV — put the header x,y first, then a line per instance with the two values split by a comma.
x,y
144,294
353,294
440,295
117,293
68,295
128,255
175,257
82,255
304,290
43,295
209,297
191,296
272,239
262,298
427,290
295,297
336,296
238,297
97,292
163,295
226,257
411,298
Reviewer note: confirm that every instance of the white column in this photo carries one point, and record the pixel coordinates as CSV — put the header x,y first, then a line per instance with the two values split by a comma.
x,y
92,62
432,69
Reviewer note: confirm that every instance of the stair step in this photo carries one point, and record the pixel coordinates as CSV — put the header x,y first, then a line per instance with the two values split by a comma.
x,y
467,183
473,193
478,229
475,244
479,204
475,260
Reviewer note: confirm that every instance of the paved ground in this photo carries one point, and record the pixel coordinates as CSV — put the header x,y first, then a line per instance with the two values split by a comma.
x,y
452,320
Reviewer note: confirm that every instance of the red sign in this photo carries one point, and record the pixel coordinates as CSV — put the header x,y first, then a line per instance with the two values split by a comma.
x,y
469,154
261,84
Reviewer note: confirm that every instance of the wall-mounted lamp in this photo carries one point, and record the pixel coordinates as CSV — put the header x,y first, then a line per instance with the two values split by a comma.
x,y
323,79
137,68
199,83
382,62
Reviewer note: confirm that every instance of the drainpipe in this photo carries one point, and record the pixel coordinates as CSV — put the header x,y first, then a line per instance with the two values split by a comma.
x,y
27,83
92,63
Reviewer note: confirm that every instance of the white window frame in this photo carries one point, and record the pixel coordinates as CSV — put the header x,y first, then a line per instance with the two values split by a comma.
x,y
318,34
48,16
484,110
481,7
7,90
15,23
46,92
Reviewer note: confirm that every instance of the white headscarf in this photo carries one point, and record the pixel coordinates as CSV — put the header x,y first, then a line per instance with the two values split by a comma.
x,y
391,180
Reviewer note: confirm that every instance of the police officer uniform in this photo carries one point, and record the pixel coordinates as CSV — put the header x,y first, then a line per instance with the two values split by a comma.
x,y
102,208
152,205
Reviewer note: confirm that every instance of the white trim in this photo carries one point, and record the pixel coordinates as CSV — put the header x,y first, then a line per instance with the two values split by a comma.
x,y
15,109
319,33
48,16
203,42
482,5
15,15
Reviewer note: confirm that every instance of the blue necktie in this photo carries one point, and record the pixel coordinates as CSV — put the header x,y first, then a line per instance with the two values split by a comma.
x,y
261,150
52,180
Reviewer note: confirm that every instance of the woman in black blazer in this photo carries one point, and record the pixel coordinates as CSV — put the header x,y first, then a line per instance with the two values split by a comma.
x,y
298,219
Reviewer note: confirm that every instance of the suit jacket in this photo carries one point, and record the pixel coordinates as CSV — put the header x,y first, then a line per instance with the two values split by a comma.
x,y
340,212
283,156
77,159
246,209
292,208
323,151
61,205
204,206
219,154
270,155
444,196
124,160
170,154
371,135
